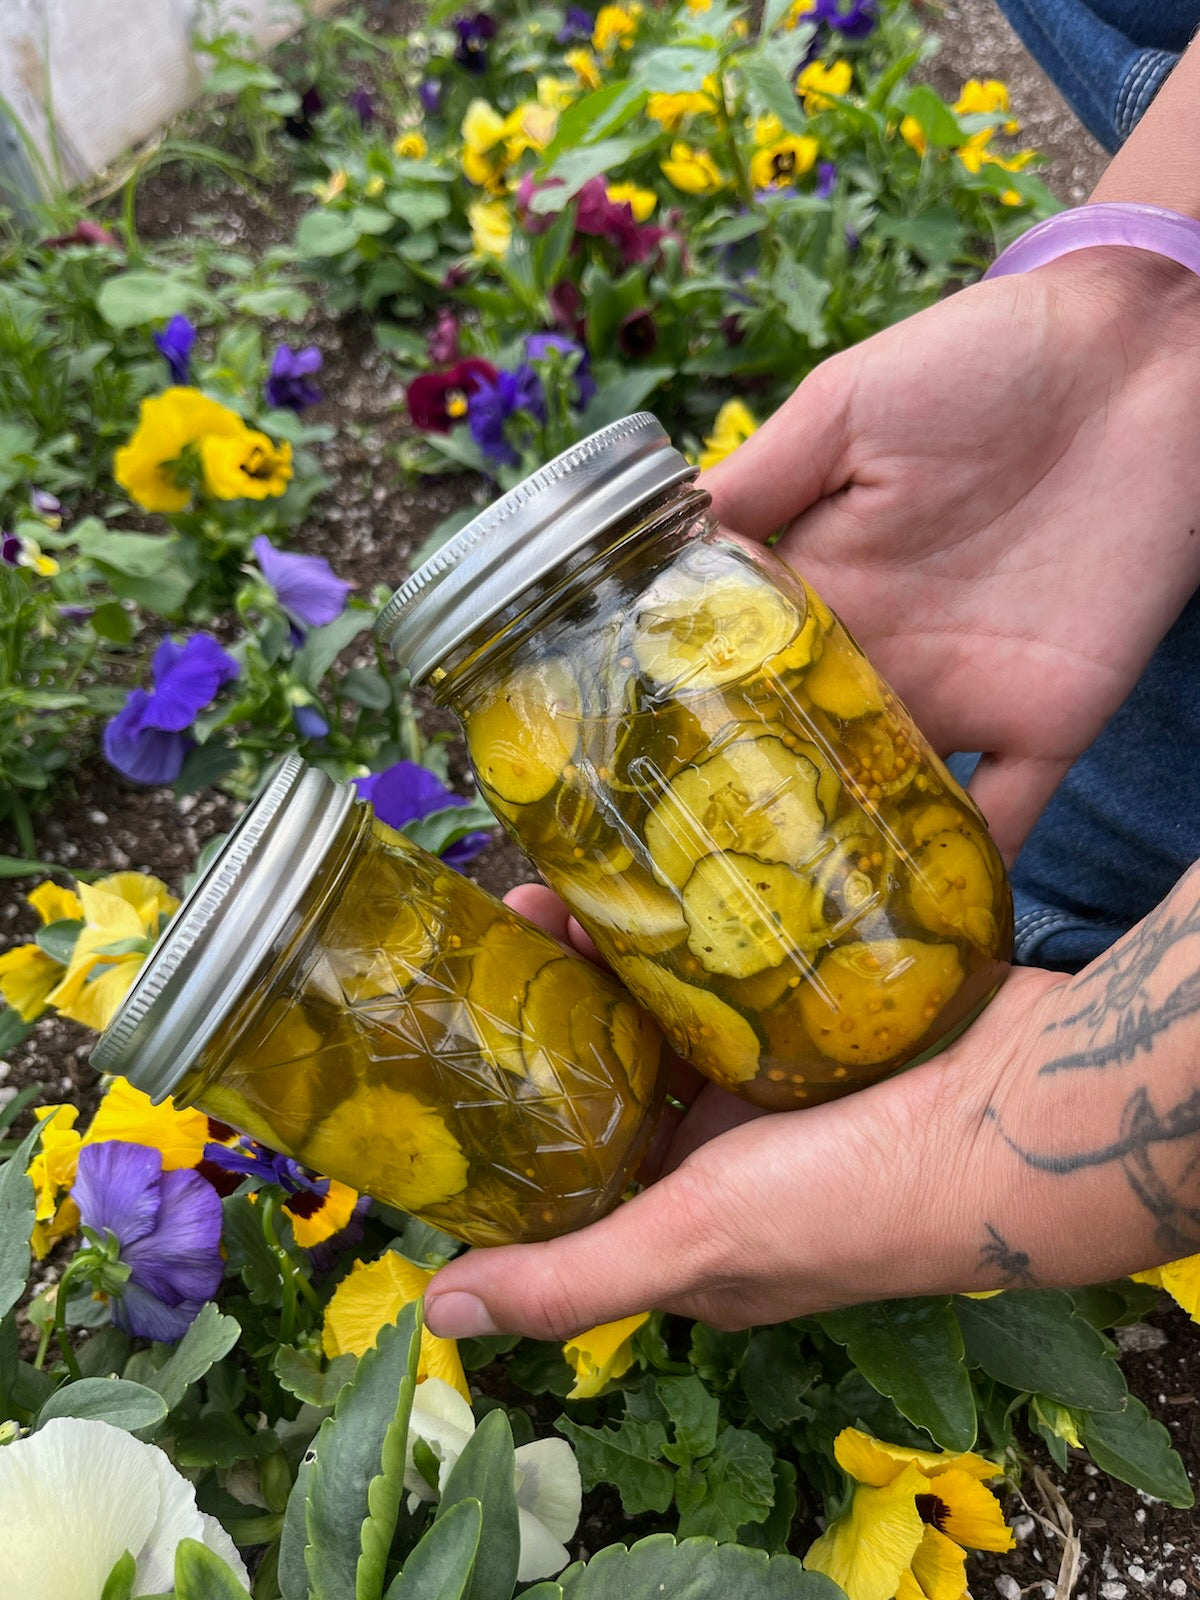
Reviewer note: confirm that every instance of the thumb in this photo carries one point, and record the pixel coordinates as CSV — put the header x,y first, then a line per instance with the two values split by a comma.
x,y
648,1254
791,462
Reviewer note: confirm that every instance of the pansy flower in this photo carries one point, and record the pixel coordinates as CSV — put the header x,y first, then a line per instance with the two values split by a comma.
x,y
245,465
175,343
557,347
692,170
289,384
405,792
576,26
437,401
122,915
733,426
779,157
601,1354
318,1208
430,92
817,82
152,468
148,739
475,31
514,392
309,592
372,1295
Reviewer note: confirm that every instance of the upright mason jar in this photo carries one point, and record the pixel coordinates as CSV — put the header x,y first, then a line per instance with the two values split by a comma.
x,y
343,996
703,764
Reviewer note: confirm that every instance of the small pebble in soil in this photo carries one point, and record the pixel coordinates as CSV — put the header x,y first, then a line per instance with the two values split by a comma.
x,y
1113,1590
1007,1587
1022,1527
1177,1586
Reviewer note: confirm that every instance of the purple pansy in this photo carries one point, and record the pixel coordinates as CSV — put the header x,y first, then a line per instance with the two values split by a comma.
x,y
827,173
46,505
289,383
541,346
175,344
490,407
429,93
363,106
310,724
308,590
577,26
475,32
11,546
147,739
406,791
853,21
167,1226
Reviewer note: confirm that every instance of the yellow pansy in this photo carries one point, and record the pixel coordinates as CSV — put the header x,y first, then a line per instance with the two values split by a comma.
x,y
127,1114
669,110
170,423
484,158
325,192
491,227
529,127
1181,1280
557,93
245,465
817,82
52,1172
603,1352
693,171
733,426
913,135
910,1515
122,917
27,975
410,146
985,98
371,1296
615,29
698,6
641,201
317,1217
777,162
422,1164
53,903
796,13
585,67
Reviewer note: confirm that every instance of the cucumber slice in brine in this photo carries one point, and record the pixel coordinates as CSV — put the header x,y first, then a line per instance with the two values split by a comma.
x,y
744,914
953,889
503,966
754,796
526,732
869,1002
700,1027
695,633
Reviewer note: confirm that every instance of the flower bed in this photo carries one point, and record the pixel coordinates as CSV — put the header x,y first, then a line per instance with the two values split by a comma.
x,y
236,1358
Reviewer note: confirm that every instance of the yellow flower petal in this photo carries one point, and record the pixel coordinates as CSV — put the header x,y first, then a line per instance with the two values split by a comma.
x,y
410,146
876,1462
55,904
168,423
27,977
52,1169
733,426
46,1235
777,165
1181,1280
693,171
913,135
869,1548
585,67
817,82
147,894
603,1352
312,1225
640,201
986,96
669,110
967,1512
127,1114
939,1570
615,28
421,1164
491,227
94,998
245,466
482,126
371,1296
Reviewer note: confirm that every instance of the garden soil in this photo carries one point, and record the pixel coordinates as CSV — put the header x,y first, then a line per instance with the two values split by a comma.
x,y
1078,1533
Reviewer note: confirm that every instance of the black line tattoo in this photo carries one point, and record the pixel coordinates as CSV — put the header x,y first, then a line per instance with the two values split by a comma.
x,y
1014,1264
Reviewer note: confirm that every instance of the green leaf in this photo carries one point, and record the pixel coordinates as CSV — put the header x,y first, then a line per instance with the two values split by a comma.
x,y
349,1450
212,1335
912,1351
292,1572
104,1354
23,867
282,300
119,1583
1030,1340
771,89
202,1575
126,1405
802,296
325,233
676,69
13,1028
419,208
112,621
324,645
16,1220
366,687
575,167
934,117
441,1564
629,1457
132,299
386,1489
1132,1446
485,1472
597,115
440,829
696,1415
301,1374
776,1376
205,765
736,1486
696,1569
938,235
622,396
133,555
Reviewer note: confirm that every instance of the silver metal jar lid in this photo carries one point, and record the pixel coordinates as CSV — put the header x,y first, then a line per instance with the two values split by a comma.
x,y
230,922
527,534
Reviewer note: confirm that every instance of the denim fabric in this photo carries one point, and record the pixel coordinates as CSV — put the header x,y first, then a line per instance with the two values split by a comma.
x,y
1124,825
1108,58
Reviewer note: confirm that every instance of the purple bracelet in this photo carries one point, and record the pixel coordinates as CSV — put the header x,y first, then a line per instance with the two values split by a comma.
x,y
1167,233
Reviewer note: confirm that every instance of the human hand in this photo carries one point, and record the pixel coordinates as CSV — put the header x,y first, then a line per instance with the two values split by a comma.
x,y
1000,497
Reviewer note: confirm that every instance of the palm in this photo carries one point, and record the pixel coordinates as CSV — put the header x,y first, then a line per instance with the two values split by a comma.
x,y
995,495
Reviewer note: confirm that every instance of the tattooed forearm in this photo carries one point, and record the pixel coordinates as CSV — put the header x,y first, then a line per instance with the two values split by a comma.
x,y
1143,986
1014,1264
1143,1137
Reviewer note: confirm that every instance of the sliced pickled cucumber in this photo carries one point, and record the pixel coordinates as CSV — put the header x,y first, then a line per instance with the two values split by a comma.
x,y
744,914
637,1045
381,971
953,888
762,989
525,734
618,905
696,633
503,966
843,683
801,652
709,1033
755,796
871,1002
939,816
567,1004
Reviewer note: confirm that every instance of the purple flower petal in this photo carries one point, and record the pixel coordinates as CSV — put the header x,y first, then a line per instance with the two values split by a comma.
x,y
117,1187
175,346
186,679
145,754
307,587
180,1260
289,382
144,1316
11,546
309,722
405,791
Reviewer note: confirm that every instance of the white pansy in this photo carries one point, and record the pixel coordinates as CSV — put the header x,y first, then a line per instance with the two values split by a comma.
x,y
114,1494
549,1491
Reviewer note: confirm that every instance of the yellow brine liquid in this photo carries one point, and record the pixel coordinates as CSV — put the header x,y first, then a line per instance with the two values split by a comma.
x,y
748,824
424,1044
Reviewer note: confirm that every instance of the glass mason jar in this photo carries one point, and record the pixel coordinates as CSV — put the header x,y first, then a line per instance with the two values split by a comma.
x,y
343,996
702,763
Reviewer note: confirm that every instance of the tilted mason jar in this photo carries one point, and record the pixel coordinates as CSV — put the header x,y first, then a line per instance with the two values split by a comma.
x,y
703,764
343,996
